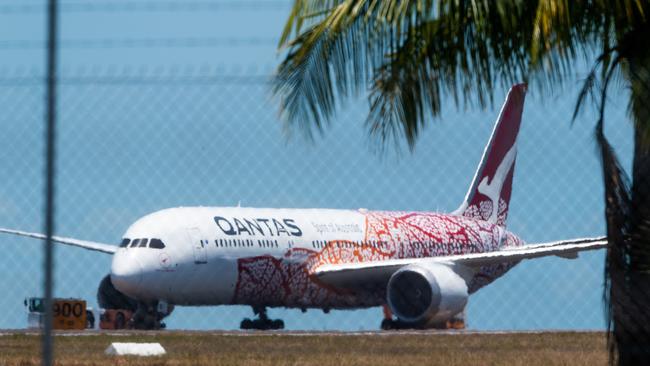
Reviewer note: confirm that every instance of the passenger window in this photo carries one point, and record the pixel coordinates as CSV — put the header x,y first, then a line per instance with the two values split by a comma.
x,y
134,243
156,244
125,242
143,243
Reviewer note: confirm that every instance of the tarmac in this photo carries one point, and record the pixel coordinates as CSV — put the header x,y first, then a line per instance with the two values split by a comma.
x,y
290,333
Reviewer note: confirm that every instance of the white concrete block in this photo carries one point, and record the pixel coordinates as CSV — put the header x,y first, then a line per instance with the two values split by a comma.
x,y
135,349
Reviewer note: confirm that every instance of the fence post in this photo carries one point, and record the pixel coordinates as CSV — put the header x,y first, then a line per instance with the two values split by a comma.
x,y
50,136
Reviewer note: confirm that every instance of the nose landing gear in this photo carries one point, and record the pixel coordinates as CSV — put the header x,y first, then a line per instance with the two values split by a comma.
x,y
149,315
262,322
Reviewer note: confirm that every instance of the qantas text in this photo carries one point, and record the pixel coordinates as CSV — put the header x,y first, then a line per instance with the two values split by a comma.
x,y
271,227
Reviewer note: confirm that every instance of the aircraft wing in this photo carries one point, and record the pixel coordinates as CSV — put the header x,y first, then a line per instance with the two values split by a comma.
x,y
90,245
354,275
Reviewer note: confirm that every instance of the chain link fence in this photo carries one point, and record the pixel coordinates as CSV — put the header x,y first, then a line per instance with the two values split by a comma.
x,y
133,142
136,139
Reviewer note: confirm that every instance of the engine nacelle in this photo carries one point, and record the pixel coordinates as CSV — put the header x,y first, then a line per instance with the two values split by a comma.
x,y
423,295
108,297
145,315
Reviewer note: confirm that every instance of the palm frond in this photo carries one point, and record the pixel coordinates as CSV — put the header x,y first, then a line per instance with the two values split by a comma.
x,y
587,90
407,59
310,85
358,45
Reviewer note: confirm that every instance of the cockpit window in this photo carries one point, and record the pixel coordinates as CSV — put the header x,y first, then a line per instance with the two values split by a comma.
x,y
142,243
156,244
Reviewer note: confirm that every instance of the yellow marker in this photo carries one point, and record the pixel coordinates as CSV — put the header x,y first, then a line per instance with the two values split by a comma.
x,y
69,314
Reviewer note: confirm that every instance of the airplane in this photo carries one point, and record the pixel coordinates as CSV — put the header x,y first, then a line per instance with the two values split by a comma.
x,y
421,266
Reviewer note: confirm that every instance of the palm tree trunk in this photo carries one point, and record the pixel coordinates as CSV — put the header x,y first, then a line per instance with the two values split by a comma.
x,y
628,221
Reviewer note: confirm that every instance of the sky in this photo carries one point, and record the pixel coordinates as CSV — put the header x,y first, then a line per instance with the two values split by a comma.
x,y
140,129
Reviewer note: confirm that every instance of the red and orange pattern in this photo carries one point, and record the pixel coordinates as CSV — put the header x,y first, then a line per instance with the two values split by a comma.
x,y
288,281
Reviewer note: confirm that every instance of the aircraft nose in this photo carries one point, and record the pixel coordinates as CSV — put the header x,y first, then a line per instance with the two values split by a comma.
x,y
126,273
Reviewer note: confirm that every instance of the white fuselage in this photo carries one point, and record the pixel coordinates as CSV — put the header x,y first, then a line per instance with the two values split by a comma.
x,y
264,257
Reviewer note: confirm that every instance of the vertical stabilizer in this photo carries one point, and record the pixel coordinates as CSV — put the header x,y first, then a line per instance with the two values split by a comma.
x,y
488,196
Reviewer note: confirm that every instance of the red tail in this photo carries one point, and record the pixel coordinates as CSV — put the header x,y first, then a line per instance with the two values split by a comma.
x,y
488,197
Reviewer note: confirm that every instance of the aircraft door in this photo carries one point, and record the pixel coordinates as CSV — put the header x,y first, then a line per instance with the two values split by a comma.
x,y
198,245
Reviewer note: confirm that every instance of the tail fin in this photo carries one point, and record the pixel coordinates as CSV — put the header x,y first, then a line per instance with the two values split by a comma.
x,y
488,197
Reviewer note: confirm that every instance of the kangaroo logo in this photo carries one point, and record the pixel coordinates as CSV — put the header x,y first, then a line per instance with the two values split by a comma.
x,y
493,189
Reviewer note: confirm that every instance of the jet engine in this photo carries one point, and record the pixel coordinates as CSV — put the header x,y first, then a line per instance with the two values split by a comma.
x,y
426,295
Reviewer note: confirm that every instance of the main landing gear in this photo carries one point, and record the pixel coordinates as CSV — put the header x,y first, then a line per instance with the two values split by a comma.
x,y
262,322
396,324
390,323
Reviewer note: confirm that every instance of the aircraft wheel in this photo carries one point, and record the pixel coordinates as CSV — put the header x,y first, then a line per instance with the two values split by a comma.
x,y
277,324
246,324
119,321
387,324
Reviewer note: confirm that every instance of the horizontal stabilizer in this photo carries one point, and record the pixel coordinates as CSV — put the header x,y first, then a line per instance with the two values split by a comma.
x,y
90,245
